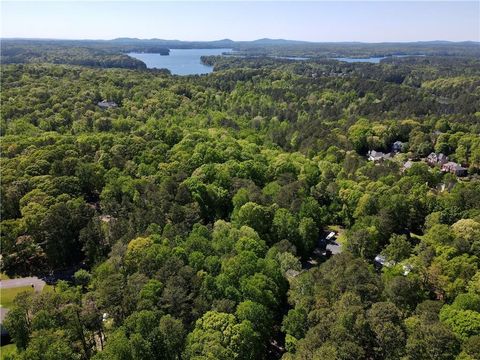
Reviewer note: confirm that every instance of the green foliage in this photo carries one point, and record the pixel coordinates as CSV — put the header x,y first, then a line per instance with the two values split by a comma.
x,y
398,248
295,323
221,336
49,345
82,277
197,207
431,341
463,316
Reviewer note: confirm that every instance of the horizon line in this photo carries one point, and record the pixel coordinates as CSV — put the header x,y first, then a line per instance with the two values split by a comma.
x,y
239,41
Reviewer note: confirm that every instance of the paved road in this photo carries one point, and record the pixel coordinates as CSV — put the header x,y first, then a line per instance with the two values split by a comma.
x,y
38,284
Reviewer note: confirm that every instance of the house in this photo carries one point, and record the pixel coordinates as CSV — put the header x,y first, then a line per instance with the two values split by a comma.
x,y
104,104
381,260
435,159
377,156
397,146
454,168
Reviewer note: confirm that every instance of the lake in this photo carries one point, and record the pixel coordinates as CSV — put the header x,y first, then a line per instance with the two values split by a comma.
x,y
180,61
373,60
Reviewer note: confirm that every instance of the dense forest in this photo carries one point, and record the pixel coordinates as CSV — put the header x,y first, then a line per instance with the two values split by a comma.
x,y
85,53
193,214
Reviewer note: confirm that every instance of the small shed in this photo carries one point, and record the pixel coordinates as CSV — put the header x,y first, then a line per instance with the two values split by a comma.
x,y
330,236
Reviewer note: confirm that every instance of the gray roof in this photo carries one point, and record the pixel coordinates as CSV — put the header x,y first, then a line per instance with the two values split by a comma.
x,y
107,104
453,166
382,260
377,155
437,157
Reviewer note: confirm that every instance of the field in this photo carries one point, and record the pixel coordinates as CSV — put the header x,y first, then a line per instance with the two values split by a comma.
x,y
8,295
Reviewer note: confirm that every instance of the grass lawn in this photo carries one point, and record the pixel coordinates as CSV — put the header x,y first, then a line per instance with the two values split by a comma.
x,y
340,233
3,276
6,300
7,350
415,236
7,295
48,288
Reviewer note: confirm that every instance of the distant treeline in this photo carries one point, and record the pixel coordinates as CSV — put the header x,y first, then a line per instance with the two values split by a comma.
x,y
112,53
323,50
23,52
105,54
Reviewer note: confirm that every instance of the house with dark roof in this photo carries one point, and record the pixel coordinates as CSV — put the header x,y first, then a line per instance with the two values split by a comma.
x,y
454,168
398,146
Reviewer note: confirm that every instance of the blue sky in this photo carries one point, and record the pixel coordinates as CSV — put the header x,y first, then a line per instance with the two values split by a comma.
x,y
372,21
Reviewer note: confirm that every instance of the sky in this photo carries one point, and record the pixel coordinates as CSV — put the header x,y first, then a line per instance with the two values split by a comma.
x,y
366,21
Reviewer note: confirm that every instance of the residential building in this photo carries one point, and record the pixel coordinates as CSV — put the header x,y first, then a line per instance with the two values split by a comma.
x,y
377,156
435,159
398,146
454,168
104,104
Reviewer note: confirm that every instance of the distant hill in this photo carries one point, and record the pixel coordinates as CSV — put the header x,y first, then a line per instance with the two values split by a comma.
x,y
267,41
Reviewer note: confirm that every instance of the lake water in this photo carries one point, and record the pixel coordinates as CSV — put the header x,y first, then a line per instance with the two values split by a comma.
x,y
187,61
373,60
180,61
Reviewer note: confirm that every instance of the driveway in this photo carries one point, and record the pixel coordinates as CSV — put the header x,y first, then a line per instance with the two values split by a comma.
x,y
38,284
